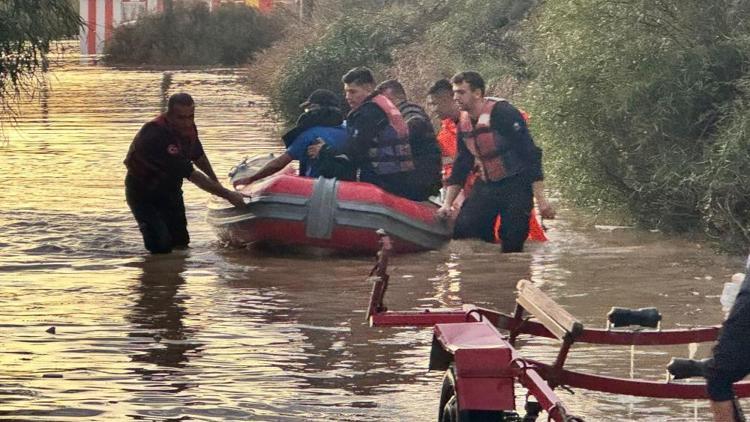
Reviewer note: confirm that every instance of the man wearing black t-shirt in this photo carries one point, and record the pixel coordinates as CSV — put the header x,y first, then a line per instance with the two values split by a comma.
x,y
160,156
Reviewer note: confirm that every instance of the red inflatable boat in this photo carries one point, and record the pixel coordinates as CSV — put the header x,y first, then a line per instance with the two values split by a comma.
x,y
288,210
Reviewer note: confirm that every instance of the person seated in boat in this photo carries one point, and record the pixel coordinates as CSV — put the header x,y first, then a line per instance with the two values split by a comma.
x,y
378,138
731,360
321,120
422,139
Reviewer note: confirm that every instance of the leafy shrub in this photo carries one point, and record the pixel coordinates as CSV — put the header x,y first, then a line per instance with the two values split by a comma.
x,y
189,34
632,98
27,29
356,40
417,42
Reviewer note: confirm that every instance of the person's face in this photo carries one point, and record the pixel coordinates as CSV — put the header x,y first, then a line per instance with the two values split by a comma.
x,y
465,97
183,118
356,94
442,105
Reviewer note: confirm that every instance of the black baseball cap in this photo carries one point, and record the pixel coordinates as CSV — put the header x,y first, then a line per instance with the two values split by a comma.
x,y
322,97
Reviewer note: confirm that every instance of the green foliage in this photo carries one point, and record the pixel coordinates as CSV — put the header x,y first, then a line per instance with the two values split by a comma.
x,y
189,34
641,106
461,34
725,205
356,40
26,29
632,100
483,31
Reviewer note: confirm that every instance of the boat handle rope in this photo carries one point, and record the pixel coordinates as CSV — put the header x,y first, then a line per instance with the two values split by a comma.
x,y
468,314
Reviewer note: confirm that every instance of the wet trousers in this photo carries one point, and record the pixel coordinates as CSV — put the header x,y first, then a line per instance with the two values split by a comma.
x,y
161,219
512,198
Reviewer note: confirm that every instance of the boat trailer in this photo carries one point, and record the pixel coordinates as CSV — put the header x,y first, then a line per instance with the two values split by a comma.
x,y
482,364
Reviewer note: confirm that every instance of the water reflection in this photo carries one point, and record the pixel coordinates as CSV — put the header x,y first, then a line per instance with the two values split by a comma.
x,y
340,357
44,103
157,315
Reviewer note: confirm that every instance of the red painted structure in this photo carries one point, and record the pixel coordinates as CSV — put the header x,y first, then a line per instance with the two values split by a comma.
x,y
482,364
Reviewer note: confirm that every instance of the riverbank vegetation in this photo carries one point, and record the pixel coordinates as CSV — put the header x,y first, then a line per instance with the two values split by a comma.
x,y
640,106
189,34
26,30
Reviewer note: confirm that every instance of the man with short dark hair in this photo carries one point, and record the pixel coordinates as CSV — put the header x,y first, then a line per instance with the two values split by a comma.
x,y
378,142
424,148
493,134
440,102
160,156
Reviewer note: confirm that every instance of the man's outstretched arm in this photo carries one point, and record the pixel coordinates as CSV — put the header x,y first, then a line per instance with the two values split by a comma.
x,y
214,187
205,166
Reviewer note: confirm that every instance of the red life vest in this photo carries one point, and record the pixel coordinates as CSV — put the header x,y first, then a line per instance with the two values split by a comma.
x,y
493,154
392,150
394,115
482,143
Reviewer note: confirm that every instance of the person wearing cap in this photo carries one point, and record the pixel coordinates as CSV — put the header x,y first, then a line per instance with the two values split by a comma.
x,y
321,121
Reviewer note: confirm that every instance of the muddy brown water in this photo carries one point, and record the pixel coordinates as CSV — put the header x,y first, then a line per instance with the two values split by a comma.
x,y
227,334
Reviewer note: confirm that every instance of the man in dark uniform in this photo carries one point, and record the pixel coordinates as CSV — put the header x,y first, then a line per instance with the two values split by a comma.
x,y
378,144
160,156
493,135
424,147
731,361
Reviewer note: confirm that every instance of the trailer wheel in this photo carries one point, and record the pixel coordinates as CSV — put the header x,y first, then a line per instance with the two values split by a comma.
x,y
447,392
448,410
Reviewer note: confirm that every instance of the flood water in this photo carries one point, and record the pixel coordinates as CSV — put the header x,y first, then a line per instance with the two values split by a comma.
x,y
227,334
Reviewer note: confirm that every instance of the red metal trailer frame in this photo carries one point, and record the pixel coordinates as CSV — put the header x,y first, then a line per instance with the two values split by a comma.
x,y
468,344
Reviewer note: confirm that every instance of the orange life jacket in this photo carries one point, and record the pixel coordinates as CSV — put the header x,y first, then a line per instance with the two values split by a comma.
x,y
447,142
